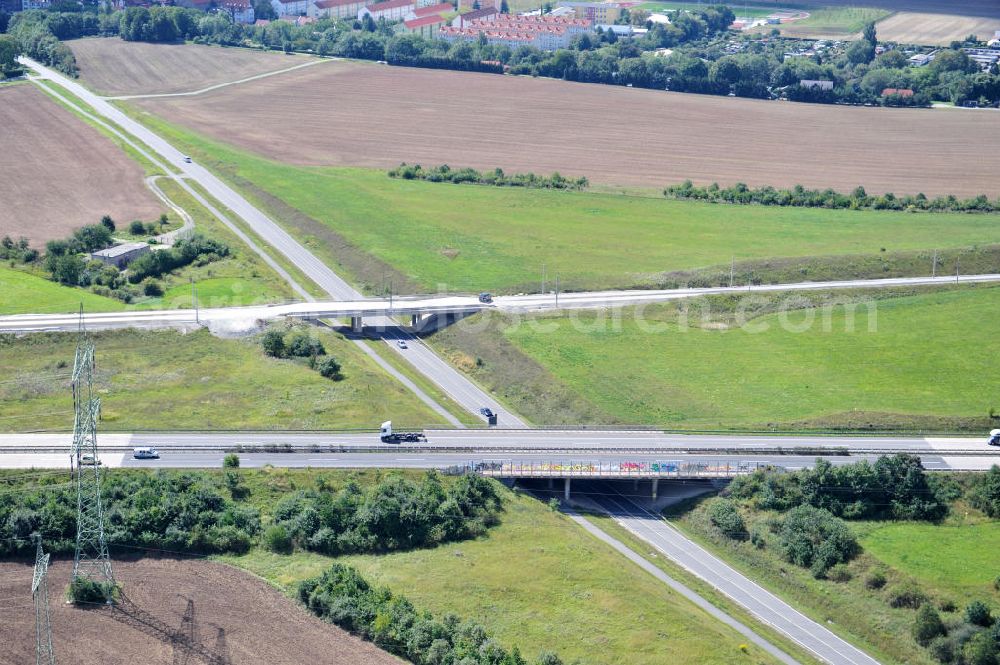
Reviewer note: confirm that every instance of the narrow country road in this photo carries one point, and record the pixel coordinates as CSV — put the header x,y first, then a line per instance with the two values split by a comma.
x,y
762,604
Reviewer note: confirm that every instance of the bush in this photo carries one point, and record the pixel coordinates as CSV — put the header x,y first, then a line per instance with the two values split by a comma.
x,y
330,369
84,591
980,650
927,625
943,649
894,487
986,497
273,343
137,228
726,517
303,346
152,288
183,253
978,614
276,539
231,461
876,580
839,573
343,597
815,539
906,595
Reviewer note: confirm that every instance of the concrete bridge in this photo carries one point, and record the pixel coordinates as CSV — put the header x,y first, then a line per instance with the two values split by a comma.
x,y
635,470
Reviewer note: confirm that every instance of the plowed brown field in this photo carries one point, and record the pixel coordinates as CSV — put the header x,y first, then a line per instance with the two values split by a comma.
x,y
935,29
364,114
259,626
111,66
59,173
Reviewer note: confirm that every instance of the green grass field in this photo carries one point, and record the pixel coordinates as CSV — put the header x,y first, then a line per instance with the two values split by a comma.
x,y
166,380
960,559
835,21
23,292
923,364
951,563
542,583
739,9
473,238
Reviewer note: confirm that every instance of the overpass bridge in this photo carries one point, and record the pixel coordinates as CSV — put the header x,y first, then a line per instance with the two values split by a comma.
x,y
421,307
625,469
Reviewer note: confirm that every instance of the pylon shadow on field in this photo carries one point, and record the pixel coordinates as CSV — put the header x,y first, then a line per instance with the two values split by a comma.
x,y
188,649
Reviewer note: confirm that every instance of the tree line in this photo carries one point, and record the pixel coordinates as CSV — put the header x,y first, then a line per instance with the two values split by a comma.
x,y
395,514
707,58
209,512
496,177
343,597
799,196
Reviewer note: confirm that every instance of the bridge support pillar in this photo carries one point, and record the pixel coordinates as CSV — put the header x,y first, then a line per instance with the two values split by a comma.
x,y
415,321
656,486
552,483
566,490
356,324
635,485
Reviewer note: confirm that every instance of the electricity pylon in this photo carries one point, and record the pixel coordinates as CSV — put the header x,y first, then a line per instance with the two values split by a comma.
x,y
40,594
91,560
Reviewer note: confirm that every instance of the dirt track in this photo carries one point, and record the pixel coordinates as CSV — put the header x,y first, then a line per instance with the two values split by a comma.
x,y
111,66
59,173
364,114
262,627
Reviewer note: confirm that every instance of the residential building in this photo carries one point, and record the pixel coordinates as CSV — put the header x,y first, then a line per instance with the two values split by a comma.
x,y
902,92
812,84
35,4
543,32
483,4
431,10
427,27
595,12
345,9
921,59
390,10
482,15
984,57
623,31
121,255
290,7
241,11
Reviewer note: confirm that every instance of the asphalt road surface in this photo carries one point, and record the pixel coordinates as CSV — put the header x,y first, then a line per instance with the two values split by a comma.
x,y
762,604
419,355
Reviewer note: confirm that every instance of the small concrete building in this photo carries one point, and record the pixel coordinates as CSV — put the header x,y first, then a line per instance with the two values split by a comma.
x,y
121,255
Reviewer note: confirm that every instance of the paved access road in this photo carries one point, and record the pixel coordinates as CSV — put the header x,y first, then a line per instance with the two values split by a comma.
x,y
762,604
451,381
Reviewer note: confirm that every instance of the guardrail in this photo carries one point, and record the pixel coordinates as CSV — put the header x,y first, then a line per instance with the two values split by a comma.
x,y
811,451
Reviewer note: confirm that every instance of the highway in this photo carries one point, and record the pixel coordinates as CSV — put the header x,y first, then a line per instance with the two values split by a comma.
x,y
458,387
448,447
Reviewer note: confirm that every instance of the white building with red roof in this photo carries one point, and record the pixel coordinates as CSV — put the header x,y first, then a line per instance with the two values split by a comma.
x,y
543,32
345,9
390,10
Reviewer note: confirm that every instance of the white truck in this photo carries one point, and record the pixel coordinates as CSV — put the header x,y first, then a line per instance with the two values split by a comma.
x,y
994,439
387,435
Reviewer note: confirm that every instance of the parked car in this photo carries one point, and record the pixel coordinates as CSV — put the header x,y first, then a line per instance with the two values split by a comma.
x,y
994,439
145,453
